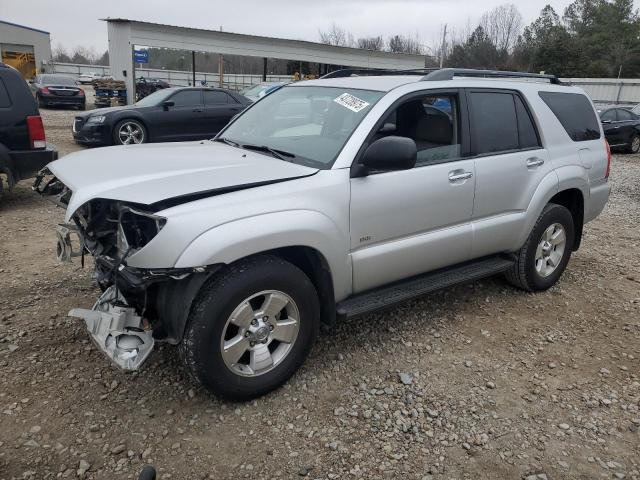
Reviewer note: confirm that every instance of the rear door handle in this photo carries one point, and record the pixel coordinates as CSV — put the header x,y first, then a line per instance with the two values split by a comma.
x,y
534,162
197,111
457,175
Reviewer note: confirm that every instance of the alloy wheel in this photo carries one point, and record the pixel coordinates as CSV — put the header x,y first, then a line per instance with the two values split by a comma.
x,y
130,133
550,250
260,333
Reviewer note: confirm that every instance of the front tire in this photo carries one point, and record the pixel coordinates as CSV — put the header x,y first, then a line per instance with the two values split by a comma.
x,y
544,257
129,132
634,145
242,338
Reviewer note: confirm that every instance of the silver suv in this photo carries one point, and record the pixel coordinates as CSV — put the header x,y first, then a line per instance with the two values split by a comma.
x,y
324,200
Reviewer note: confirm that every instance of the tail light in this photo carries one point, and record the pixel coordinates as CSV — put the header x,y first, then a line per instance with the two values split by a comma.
x,y
606,173
81,92
45,90
36,132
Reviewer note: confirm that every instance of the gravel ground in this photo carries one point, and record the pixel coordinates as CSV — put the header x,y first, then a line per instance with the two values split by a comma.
x,y
477,381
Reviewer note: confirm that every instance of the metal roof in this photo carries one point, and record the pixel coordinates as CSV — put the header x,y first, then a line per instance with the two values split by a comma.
x,y
23,26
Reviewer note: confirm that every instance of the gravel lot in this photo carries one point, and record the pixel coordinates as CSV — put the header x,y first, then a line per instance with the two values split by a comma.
x,y
478,381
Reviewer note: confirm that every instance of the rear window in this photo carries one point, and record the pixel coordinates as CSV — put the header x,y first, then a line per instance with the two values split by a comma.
x,y
575,113
5,101
57,80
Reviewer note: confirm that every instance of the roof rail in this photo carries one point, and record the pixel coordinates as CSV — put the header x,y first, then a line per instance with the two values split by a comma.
x,y
449,73
365,72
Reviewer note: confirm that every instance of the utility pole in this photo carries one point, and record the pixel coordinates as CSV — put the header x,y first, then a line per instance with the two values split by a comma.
x,y
444,45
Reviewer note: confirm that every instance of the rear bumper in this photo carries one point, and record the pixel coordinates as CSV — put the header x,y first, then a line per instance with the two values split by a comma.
x,y
27,163
62,100
598,197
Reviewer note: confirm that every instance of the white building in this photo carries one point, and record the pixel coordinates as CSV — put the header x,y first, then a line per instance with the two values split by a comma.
x,y
25,48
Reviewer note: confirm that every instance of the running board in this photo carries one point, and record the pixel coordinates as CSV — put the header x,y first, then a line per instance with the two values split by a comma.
x,y
390,295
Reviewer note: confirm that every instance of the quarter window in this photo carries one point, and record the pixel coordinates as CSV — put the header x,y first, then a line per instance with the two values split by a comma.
x,y
575,113
494,122
527,134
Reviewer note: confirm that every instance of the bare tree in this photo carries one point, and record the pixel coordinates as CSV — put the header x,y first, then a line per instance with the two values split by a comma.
x,y
60,54
502,25
336,36
404,44
371,43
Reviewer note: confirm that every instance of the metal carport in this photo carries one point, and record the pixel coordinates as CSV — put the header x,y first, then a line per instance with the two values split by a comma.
x,y
124,35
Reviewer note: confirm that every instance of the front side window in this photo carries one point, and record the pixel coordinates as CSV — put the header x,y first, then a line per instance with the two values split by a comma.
x,y
187,98
575,113
431,121
310,124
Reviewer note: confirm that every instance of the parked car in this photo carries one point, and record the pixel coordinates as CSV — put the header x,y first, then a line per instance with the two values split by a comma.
x,y
53,89
169,115
256,92
621,128
86,78
146,86
237,249
23,147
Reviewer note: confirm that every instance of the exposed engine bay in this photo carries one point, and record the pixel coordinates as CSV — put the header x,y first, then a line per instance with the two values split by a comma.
x,y
125,321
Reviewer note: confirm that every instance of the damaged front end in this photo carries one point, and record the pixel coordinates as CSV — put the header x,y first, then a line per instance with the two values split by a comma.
x,y
138,305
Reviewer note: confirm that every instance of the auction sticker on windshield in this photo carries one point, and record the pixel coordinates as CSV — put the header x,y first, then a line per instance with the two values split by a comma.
x,y
353,103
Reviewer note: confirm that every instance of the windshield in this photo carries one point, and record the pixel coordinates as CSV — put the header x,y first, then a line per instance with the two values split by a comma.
x,y
58,80
155,98
310,124
255,90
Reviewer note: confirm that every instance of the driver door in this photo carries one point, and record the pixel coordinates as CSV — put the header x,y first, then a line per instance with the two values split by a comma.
x,y
404,223
183,120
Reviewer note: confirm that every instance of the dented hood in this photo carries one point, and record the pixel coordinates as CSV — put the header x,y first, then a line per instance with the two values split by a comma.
x,y
167,172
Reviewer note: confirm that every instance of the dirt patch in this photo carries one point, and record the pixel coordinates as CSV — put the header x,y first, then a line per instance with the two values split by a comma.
x,y
495,383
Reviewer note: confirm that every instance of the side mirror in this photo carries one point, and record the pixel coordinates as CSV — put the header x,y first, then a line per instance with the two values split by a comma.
x,y
389,154
167,104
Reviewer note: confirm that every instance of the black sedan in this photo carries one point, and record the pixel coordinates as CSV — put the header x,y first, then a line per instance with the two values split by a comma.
x,y
169,115
621,128
51,89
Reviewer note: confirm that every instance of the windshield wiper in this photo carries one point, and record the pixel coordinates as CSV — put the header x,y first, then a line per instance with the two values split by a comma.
x,y
228,142
279,154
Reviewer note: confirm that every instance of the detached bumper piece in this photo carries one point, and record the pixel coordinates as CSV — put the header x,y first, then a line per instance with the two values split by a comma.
x,y
117,330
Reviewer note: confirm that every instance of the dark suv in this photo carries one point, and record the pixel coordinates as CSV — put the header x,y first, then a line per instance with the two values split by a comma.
x,y
23,147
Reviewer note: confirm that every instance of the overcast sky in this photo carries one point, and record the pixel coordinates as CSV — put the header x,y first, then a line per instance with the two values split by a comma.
x,y
74,22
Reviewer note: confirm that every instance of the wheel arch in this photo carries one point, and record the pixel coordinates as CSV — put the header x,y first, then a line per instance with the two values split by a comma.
x,y
573,200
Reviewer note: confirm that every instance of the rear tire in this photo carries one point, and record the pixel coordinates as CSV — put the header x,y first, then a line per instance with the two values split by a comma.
x,y
634,145
252,298
544,256
41,104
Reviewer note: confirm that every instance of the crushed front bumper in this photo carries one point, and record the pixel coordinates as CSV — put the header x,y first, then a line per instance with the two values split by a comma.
x,y
117,330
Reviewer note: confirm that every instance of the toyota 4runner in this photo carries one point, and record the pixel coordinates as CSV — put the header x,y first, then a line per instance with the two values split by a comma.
x,y
324,200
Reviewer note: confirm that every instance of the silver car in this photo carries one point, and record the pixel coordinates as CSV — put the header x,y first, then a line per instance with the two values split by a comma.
x,y
325,200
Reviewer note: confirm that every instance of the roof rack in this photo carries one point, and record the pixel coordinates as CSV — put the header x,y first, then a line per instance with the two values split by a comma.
x,y
449,73
364,72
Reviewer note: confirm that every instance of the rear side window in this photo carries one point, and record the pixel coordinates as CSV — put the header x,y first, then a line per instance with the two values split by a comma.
x,y
5,101
494,122
214,97
575,113
625,115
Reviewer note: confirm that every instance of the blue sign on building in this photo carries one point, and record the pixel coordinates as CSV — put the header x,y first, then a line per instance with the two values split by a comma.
x,y
141,56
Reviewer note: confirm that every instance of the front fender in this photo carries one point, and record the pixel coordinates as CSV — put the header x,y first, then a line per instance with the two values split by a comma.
x,y
235,240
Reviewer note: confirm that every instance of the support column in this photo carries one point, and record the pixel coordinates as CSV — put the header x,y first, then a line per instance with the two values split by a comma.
x,y
264,69
193,66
